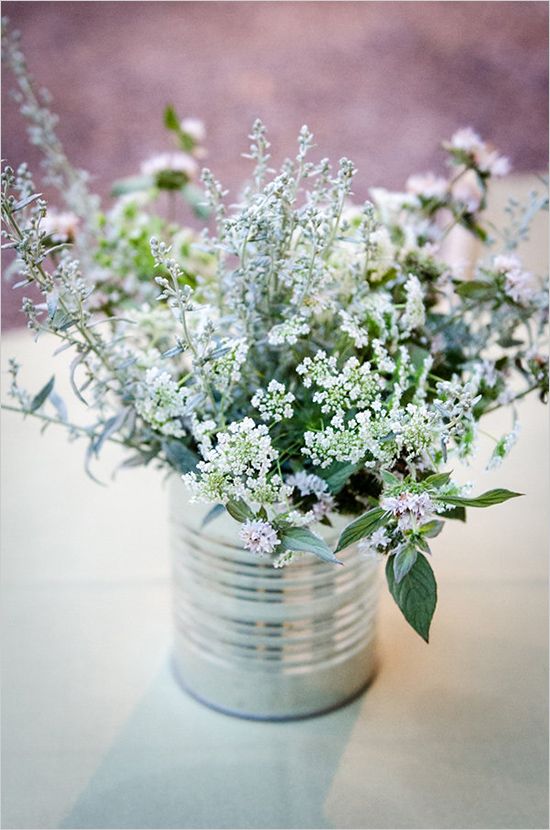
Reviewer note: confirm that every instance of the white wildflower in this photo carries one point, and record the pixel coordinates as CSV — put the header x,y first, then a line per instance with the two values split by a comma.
x,y
194,128
178,162
162,403
288,332
275,404
62,227
259,537
416,429
373,545
468,191
427,185
351,325
225,370
409,508
414,315
503,447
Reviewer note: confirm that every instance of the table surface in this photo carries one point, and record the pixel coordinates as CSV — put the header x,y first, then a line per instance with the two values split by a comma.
x,y
97,733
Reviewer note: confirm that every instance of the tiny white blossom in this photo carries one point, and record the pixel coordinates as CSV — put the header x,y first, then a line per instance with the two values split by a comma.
x,y
414,315
275,403
288,332
162,403
408,508
258,536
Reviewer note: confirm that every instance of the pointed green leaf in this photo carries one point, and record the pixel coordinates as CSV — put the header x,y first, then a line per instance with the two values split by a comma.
x,y
432,529
302,539
403,561
361,527
487,499
239,510
416,594
42,396
171,120
437,480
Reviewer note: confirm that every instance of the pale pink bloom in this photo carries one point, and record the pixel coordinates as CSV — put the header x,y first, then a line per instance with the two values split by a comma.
x,y
259,537
194,128
178,161
427,185
62,227
468,190
408,508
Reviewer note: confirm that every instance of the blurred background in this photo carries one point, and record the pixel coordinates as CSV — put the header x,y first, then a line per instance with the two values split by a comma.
x,y
381,82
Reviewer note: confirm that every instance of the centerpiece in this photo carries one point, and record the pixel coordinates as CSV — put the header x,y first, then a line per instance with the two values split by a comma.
x,y
305,367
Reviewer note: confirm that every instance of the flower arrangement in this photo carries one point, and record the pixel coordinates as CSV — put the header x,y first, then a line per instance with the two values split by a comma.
x,y
302,355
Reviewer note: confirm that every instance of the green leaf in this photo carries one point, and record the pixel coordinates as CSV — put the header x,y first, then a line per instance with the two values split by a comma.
x,y
239,510
132,184
458,513
388,478
476,290
338,476
403,561
487,499
432,529
302,539
171,120
212,514
42,396
361,527
179,456
437,480
196,198
415,594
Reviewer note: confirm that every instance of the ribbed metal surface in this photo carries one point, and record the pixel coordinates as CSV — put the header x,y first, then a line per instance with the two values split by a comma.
x,y
266,643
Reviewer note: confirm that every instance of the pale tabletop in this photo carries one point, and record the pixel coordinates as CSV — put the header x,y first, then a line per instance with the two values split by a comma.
x,y
96,733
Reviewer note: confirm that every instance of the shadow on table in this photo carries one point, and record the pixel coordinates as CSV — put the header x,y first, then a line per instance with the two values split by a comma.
x,y
178,764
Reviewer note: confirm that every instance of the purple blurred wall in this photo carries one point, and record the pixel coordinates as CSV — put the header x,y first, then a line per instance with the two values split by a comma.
x,y
381,82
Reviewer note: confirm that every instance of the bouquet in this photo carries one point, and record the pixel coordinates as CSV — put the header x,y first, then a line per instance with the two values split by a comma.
x,y
301,356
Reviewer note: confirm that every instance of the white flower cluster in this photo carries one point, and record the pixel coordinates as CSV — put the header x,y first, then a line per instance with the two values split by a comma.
x,y
375,545
352,326
336,442
416,429
224,371
238,467
162,403
503,447
456,401
519,285
308,484
409,509
414,315
275,403
356,385
288,332
258,536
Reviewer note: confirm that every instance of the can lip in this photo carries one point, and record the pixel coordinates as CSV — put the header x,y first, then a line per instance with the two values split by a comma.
x,y
272,718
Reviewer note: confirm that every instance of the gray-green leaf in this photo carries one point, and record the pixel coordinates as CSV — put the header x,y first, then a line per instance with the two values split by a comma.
x,y
487,499
239,510
361,527
403,561
42,396
302,539
416,594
